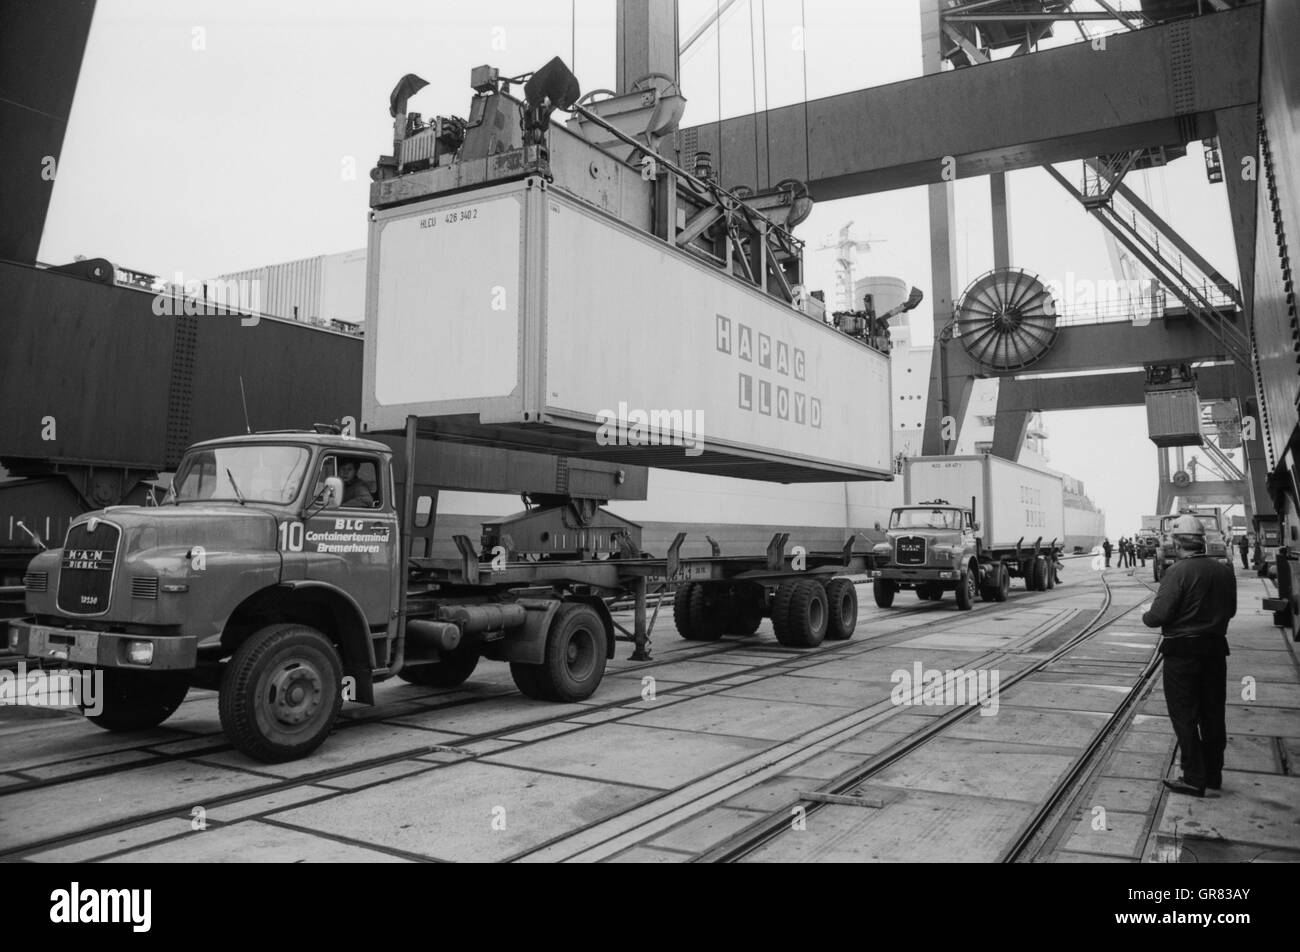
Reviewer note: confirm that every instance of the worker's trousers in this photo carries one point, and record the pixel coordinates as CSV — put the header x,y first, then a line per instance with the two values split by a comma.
x,y
1196,691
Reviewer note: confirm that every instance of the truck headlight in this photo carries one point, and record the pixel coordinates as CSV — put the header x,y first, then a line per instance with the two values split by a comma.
x,y
139,652
883,548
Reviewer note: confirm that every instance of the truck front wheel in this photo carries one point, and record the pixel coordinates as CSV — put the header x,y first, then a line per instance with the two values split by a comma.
x,y
575,658
281,693
883,590
135,700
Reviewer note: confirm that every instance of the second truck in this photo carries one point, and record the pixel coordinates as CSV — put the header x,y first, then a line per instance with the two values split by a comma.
x,y
970,525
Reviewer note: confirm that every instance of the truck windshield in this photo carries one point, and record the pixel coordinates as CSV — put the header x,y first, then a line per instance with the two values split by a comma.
x,y
269,474
925,519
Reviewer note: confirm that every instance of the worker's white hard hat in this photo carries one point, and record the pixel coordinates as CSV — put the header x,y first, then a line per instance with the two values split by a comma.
x,y
1187,525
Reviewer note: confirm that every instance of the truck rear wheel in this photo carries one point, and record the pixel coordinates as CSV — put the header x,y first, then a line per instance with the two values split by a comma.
x,y
1040,575
805,618
135,700
1003,587
967,590
883,590
575,657
454,668
842,605
281,693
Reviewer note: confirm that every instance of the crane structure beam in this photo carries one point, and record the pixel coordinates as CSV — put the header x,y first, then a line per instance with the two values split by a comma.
x,y
1158,86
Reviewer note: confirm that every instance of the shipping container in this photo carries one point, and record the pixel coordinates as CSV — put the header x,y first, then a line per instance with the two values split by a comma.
x,y
1174,417
515,316
1011,502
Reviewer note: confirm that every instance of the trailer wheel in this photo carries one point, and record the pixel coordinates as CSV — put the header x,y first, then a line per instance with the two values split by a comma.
x,y
1155,570
967,590
806,617
681,611
281,693
575,655
745,615
781,604
708,613
842,605
136,701
883,590
454,668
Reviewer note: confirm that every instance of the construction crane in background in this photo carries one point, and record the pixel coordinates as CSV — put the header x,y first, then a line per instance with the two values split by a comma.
x,y
846,249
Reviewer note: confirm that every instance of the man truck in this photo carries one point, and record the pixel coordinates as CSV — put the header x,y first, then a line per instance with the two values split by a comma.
x,y
970,525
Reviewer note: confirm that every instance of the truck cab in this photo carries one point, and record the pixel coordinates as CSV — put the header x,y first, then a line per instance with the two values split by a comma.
x,y
933,548
274,572
1216,543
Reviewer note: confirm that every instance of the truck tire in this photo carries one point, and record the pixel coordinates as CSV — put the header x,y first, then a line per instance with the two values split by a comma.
x,y
454,668
883,590
575,655
1003,586
842,606
744,618
281,693
804,624
1157,569
1030,572
1040,575
528,680
967,589
708,611
136,701
681,611
781,605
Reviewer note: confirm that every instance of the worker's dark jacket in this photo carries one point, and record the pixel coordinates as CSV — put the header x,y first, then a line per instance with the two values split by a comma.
x,y
1197,597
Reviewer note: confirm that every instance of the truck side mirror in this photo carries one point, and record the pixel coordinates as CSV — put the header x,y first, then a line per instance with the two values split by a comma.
x,y
332,495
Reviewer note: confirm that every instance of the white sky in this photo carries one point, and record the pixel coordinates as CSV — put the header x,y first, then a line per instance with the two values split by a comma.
x,y
210,136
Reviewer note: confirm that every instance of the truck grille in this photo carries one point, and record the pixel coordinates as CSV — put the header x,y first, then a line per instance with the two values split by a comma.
x,y
910,551
144,588
36,581
86,572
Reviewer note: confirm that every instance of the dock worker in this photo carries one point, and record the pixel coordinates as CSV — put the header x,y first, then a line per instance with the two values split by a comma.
x,y
1197,597
1106,548
1243,545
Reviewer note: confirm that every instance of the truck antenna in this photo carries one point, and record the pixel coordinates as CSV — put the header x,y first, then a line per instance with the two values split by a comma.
x,y
244,400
